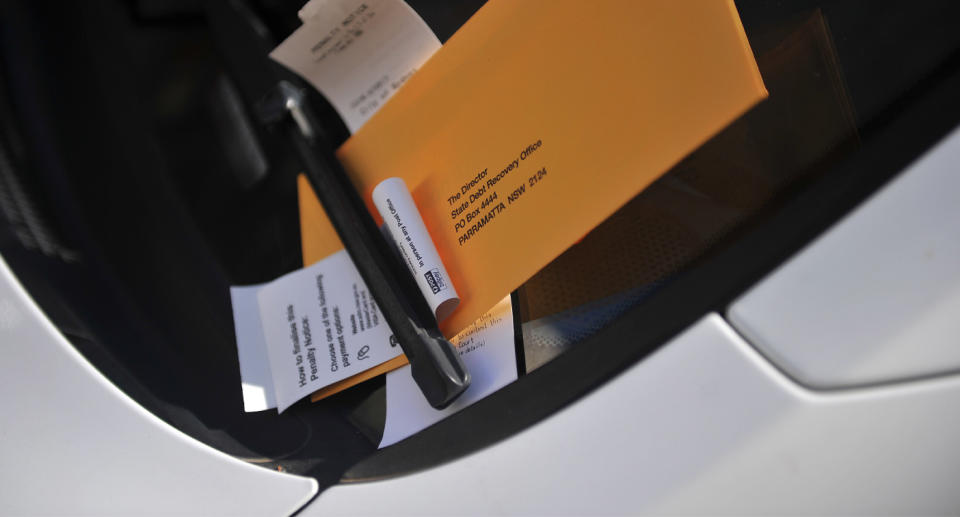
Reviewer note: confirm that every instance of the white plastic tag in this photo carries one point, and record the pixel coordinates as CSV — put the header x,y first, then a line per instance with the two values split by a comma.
x,y
409,233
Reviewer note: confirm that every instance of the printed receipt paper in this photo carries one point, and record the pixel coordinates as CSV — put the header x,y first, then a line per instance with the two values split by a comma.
x,y
535,122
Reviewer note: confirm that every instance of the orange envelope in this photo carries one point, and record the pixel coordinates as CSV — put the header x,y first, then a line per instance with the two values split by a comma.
x,y
539,119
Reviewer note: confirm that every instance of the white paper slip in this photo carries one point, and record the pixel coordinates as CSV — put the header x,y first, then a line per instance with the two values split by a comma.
x,y
409,233
487,349
311,328
256,380
357,52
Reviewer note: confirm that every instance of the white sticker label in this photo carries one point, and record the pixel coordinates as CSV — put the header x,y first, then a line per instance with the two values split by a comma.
x,y
409,233
318,325
357,52
487,349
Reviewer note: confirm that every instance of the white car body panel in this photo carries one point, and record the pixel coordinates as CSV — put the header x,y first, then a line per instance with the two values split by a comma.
x,y
876,298
703,426
71,443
